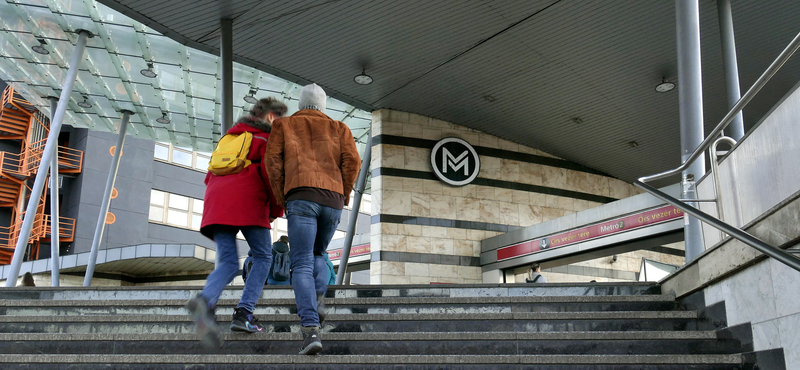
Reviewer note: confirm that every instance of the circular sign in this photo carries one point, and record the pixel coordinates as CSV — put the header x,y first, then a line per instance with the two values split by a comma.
x,y
455,162
544,243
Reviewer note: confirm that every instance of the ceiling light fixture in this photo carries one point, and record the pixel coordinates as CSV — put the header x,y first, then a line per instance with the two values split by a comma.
x,y
149,73
633,144
163,118
489,98
251,97
664,86
363,78
85,103
40,48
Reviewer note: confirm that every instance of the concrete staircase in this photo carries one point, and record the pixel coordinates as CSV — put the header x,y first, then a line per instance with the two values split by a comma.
x,y
548,326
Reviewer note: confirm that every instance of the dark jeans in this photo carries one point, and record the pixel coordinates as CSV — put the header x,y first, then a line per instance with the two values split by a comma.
x,y
228,264
311,227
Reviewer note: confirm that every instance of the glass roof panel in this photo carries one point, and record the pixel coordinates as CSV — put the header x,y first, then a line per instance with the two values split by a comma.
x,y
110,74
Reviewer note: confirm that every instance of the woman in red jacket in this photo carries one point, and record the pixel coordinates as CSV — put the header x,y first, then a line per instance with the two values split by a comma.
x,y
239,202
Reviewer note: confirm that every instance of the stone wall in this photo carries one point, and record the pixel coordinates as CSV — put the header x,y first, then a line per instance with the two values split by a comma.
x,y
424,230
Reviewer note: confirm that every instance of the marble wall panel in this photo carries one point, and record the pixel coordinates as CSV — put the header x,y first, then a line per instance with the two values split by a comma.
x,y
463,248
412,130
396,203
442,206
490,211
554,177
416,119
508,145
431,133
393,243
421,204
410,230
468,209
392,128
790,341
785,280
488,141
530,173
412,185
418,244
393,156
469,191
432,187
442,246
418,159
618,189
520,197
749,295
509,213
529,215
434,231
766,335
417,269
503,195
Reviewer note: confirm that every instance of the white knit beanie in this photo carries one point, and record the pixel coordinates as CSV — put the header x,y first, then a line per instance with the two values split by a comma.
x,y
312,97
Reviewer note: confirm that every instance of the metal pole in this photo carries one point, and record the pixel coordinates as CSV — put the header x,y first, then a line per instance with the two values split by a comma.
x,y
44,165
736,128
347,278
690,96
351,227
101,219
226,56
54,214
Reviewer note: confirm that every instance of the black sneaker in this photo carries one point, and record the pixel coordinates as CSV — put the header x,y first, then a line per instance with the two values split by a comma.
x,y
321,310
312,344
243,320
206,321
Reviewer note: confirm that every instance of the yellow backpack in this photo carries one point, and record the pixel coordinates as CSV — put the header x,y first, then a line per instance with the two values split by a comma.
x,y
230,155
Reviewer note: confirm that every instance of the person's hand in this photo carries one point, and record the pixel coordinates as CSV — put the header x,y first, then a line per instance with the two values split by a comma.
x,y
271,219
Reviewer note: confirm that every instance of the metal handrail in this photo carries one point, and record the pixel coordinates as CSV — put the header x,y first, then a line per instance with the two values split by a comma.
x,y
733,231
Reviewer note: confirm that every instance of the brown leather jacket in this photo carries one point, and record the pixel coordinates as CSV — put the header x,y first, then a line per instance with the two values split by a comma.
x,y
309,149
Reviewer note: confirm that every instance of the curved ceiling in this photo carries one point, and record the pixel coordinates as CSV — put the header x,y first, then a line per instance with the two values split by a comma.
x,y
521,70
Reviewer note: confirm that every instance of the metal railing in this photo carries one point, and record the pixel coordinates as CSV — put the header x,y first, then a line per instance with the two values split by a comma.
x,y
774,252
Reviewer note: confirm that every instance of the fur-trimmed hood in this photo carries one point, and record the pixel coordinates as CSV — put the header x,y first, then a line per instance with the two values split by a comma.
x,y
254,122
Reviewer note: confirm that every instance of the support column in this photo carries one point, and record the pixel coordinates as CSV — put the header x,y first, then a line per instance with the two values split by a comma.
x,y
226,75
47,157
351,227
736,128
54,214
101,219
690,97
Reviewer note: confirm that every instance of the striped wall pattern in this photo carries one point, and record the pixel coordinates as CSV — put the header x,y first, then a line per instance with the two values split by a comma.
x,y
415,213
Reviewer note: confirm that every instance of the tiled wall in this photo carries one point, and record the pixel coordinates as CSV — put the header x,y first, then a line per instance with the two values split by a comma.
x,y
765,295
419,223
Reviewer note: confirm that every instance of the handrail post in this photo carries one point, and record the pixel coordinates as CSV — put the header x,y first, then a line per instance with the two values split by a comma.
x,y
54,237
106,202
351,227
690,96
44,163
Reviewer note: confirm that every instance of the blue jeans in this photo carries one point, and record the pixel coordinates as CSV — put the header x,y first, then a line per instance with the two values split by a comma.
x,y
228,264
311,227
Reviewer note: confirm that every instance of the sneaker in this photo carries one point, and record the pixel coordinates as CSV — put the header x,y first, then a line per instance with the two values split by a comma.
x,y
205,320
321,310
243,320
311,341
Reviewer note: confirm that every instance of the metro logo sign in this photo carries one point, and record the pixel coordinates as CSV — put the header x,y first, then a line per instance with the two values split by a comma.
x,y
354,251
619,225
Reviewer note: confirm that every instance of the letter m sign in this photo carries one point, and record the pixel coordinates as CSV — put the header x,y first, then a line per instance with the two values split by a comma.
x,y
448,160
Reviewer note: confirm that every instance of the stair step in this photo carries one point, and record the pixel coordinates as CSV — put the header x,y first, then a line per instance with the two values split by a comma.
x,y
391,361
639,315
349,305
286,292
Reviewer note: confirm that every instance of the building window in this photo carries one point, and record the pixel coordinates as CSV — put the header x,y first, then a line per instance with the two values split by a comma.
x,y
181,156
175,210
185,212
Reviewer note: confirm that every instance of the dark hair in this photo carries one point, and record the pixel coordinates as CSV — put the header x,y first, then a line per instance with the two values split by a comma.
x,y
27,279
284,239
534,266
267,105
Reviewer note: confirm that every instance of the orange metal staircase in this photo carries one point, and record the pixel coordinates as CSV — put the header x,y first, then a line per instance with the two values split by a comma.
x,y
19,120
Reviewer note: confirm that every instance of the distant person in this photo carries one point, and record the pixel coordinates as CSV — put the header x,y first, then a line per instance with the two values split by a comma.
x,y
331,271
247,265
27,280
239,201
313,163
279,271
535,274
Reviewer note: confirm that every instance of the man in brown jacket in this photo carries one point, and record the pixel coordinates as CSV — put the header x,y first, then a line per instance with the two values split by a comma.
x,y
312,162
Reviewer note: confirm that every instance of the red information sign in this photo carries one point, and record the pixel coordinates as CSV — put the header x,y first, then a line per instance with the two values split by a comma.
x,y
354,251
619,225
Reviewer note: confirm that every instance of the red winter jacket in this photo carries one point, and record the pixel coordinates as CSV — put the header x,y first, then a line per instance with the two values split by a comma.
x,y
245,198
